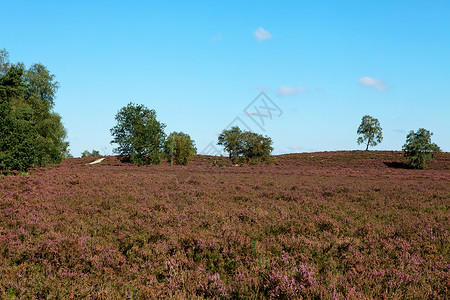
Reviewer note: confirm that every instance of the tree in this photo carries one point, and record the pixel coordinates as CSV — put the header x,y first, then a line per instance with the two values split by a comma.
x,y
246,145
418,148
179,148
32,134
139,135
169,149
18,149
370,130
256,148
86,153
231,140
40,91
39,98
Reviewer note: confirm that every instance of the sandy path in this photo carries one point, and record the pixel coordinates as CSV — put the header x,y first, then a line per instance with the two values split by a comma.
x,y
96,161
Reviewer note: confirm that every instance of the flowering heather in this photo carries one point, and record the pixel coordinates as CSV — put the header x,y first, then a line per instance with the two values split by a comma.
x,y
337,225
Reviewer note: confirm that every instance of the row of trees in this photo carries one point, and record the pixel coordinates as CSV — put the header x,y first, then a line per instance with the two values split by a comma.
x,y
141,140
418,147
31,132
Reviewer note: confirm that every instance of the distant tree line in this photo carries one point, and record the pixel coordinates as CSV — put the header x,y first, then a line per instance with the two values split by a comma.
x,y
31,133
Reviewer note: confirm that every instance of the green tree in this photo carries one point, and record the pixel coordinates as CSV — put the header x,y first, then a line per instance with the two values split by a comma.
x,y
370,130
419,149
256,148
231,140
40,91
179,148
246,145
12,86
139,135
86,153
27,100
169,149
18,149
39,98
51,138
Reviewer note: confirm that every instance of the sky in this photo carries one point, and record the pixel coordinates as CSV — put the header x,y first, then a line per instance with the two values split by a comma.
x,y
301,72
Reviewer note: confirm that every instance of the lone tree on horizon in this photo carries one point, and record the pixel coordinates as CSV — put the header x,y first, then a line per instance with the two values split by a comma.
x,y
370,130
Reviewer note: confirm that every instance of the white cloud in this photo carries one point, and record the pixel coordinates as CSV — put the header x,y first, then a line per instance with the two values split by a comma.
x,y
261,34
372,82
285,90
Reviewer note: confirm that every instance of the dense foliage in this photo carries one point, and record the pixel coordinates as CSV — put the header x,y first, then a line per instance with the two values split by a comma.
x,y
179,148
335,225
139,134
31,133
419,148
371,132
246,145
93,153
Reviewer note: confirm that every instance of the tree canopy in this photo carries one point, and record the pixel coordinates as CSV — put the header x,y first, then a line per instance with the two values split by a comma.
x,y
231,140
371,132
32,134
139,135
179,148
246,145
419,148
86,153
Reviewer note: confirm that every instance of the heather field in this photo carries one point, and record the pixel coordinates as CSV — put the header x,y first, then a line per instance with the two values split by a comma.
x,y
331,225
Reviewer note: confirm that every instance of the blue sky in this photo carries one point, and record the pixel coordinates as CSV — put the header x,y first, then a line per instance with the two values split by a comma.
x,y
323,64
